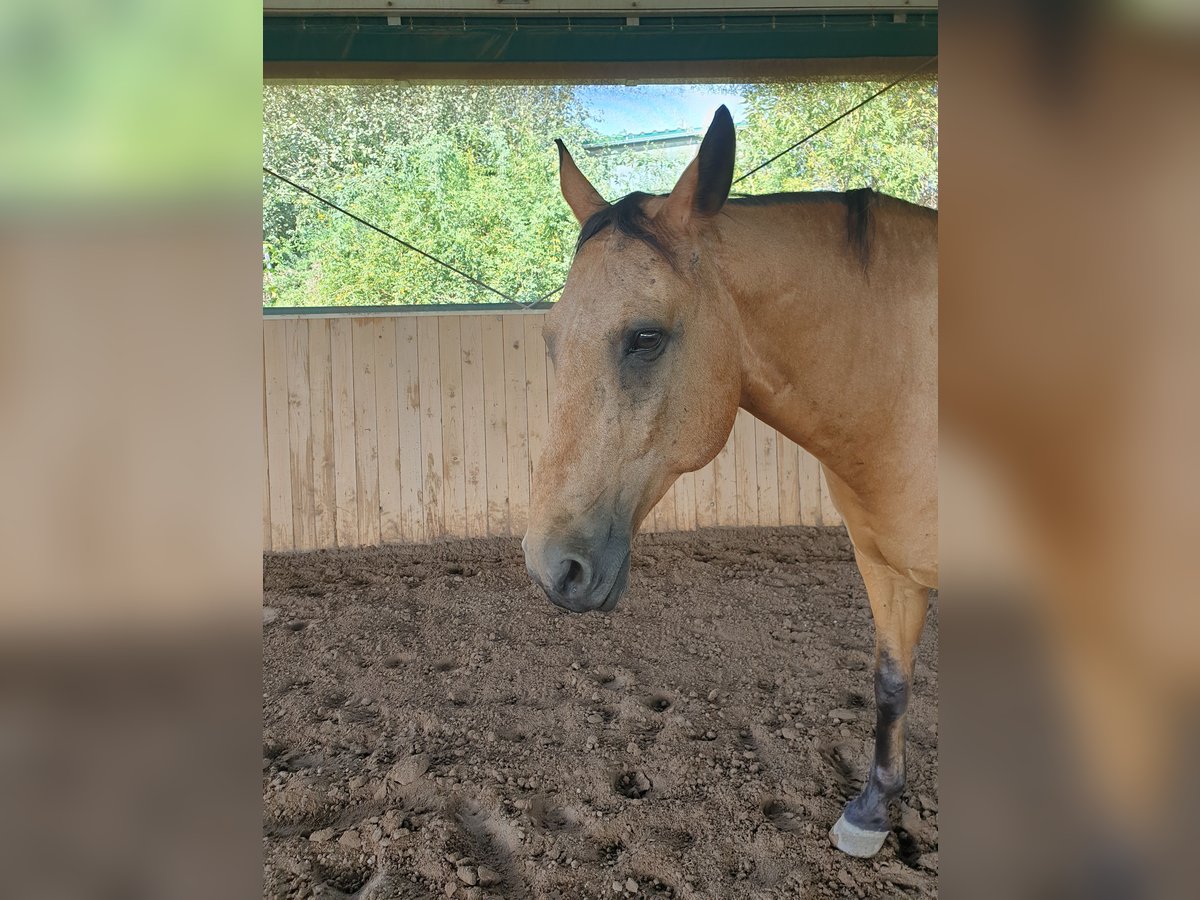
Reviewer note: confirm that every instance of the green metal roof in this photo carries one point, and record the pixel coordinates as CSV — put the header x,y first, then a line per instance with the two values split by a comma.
x,y
646,140
538,39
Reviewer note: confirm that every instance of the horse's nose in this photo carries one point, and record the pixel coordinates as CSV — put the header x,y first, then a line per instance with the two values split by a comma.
x,y
579,574
567,575
571,576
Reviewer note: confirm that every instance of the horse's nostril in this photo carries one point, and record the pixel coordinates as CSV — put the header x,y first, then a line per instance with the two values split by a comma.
x,y
573,577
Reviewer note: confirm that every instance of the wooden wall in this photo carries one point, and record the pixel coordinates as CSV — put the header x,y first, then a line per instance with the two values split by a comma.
x,y
419,426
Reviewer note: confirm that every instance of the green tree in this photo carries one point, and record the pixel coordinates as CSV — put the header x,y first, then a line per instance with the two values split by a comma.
x,y
469,174
465,173
891,144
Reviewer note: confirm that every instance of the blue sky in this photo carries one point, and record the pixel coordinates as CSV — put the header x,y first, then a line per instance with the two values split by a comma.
x,y
618,109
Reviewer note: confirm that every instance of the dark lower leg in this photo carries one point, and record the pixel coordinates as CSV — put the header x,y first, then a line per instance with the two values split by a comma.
x,y
869,810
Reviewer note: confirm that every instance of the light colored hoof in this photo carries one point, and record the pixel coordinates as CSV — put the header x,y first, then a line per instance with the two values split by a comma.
x,y
854,840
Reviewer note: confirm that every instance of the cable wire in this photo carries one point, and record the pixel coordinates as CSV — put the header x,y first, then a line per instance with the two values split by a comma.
x,y
401,241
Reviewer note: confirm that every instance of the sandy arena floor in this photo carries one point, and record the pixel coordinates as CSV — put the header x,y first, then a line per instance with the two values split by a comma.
x,y
433,727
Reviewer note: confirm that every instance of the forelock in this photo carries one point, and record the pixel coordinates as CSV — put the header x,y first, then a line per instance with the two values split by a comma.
x,y
627,217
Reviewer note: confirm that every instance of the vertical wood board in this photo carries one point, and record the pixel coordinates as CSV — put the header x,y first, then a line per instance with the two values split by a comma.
x,y
474,427
320,389
387,410
454,489
278,436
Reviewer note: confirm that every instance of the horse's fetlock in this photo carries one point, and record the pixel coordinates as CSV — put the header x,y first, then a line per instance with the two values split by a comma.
x,y
890,781
869,810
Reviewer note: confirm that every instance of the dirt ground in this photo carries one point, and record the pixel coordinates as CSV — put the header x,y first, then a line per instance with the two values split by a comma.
x,y
433,727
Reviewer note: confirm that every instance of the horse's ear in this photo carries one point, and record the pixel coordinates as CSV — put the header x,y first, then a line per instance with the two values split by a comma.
x,y
584,200
703,187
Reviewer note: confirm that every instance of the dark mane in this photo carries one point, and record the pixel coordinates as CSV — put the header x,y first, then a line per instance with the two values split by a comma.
x,y
626,217
859,207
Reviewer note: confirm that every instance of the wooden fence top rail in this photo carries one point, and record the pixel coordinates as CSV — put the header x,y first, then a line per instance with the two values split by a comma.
x,y
443,309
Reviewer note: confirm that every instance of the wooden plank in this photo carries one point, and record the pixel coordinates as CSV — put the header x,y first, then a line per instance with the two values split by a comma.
x,y
725,483
278,437
366,430
266,467
341,352
685,502
704,481
453,465
664,512
429,353
747,469
829,512
810,489
551,385
304,514
649,525
496,433
320,391
551,390
768,474
517,420
408,386
474,426
387,413
535,391
652,522
673,513
788,457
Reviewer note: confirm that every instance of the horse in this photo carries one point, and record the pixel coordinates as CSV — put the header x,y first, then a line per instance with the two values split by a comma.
x,y
817,313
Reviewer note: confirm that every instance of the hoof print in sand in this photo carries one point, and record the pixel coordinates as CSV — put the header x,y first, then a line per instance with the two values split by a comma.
x,y
549,817
657,702
782,814
633,785
847,765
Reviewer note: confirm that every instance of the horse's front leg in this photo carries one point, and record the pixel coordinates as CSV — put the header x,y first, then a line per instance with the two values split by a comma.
x,y
898,606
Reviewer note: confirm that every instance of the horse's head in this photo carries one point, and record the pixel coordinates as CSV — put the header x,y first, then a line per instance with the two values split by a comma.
x,y
646,344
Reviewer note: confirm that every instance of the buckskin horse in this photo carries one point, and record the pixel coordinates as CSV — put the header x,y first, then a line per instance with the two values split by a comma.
x,y
817,313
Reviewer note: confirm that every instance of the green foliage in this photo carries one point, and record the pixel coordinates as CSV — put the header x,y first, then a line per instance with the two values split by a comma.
x,y
889,145
469,173
464,173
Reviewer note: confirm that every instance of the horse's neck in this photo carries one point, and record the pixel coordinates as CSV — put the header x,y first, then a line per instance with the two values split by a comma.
x,y
832,353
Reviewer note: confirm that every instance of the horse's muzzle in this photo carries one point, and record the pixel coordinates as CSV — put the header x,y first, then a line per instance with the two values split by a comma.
x,y
576,578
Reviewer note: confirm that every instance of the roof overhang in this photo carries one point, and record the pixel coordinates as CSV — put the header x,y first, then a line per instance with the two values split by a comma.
x,y
603,40
584,7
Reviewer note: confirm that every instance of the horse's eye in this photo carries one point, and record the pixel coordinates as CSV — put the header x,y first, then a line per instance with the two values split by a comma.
x,y
646,341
